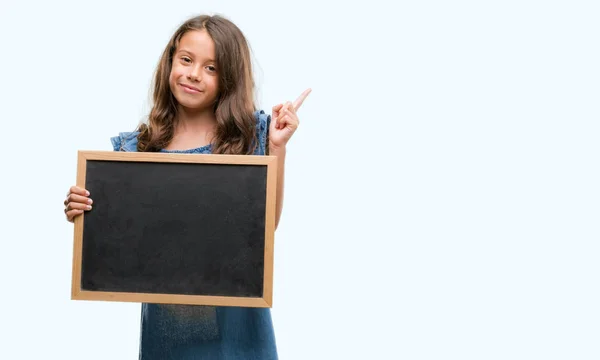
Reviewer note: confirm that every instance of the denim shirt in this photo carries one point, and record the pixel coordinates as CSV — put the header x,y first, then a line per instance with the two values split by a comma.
x,y
127,141
182,332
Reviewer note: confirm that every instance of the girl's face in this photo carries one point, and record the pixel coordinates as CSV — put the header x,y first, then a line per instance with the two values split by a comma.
x,y
194,79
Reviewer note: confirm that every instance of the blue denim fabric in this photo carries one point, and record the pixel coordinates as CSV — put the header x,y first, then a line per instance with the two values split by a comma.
x,y
185,332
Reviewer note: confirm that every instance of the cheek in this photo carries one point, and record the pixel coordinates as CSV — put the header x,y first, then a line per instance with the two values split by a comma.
x,y
214,84
177,71
172,80
173,75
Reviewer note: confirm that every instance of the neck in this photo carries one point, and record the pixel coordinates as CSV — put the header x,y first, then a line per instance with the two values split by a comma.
x,y
193,129
196,120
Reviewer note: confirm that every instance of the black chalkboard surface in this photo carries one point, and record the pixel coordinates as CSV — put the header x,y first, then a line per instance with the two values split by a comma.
x,y
176,228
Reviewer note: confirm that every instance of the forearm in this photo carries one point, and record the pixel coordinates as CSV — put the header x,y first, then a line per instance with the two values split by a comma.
x,y
280,154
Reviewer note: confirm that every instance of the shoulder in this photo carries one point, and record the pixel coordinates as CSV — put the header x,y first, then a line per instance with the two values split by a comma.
x,y
125,141
263,121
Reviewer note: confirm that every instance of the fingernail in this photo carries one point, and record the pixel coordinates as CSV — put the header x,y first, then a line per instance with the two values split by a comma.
x,y
87,193
89,207
89,201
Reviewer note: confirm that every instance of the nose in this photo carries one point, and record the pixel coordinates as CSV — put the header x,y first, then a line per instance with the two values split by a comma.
x,y
194,74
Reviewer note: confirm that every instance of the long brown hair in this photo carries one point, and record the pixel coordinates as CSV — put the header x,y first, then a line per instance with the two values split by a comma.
x,y
234,108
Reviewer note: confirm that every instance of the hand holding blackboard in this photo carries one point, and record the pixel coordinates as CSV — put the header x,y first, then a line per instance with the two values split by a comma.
x,y
77,202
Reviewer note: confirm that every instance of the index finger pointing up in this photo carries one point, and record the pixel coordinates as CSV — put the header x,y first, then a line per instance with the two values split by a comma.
x,y
301,98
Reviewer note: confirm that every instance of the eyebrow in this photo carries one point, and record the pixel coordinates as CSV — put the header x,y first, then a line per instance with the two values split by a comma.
x,y
191,53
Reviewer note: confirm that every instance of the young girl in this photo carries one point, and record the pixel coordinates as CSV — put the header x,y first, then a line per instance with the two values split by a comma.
x,y
203,103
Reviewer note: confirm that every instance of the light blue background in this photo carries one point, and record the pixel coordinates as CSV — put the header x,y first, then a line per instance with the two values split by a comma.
x,y
442,196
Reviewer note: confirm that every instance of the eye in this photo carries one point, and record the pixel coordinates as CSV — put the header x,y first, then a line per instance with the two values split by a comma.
x,y
186,59
211,68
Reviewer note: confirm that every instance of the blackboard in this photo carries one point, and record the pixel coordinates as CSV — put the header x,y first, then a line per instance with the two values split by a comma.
x,y
176,228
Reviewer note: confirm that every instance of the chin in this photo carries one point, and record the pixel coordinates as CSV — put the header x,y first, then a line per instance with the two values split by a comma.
x,y
193,106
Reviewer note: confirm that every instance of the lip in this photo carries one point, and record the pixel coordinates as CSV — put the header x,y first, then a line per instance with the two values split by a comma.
x,y
190,89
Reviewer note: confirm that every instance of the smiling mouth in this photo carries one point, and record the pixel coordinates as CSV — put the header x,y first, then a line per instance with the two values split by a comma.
x,y
190,88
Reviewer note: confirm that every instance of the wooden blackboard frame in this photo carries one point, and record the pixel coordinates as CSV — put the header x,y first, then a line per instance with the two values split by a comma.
x,y
77,293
